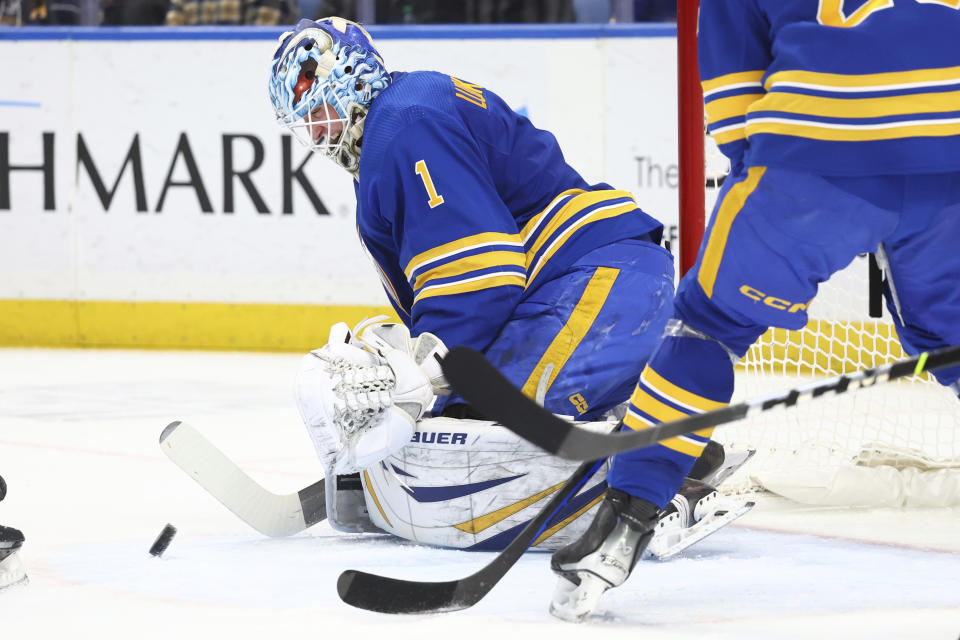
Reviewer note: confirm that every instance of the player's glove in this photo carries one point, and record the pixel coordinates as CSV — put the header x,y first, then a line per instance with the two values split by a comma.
x,y
360,398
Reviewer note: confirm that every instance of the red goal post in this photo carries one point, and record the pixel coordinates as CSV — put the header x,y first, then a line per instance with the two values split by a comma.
x,y
690,135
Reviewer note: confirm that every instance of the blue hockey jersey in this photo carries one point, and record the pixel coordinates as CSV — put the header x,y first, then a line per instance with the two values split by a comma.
x,y
834,87
464,205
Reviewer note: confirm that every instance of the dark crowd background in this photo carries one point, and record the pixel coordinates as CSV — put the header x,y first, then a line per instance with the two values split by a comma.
x,y
281,12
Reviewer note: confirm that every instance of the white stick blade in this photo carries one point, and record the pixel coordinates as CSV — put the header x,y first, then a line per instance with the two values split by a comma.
x,y
269,513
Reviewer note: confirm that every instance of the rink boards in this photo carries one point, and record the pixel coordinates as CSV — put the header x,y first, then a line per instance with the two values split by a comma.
x,y
148,198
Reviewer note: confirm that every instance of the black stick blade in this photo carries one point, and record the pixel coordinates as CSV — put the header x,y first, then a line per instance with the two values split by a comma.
x,y
391,595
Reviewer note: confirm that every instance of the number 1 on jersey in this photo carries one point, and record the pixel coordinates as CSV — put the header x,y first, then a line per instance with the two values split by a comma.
x,y
435,198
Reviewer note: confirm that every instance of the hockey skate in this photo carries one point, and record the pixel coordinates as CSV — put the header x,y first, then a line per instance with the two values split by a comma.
x,y
694,513
698,510
717,463
604,556
11,571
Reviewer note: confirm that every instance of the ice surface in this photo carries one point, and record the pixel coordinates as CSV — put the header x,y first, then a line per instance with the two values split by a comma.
x,y
91,491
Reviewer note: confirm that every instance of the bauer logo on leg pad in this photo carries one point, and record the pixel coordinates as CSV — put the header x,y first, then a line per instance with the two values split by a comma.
x,y
438,437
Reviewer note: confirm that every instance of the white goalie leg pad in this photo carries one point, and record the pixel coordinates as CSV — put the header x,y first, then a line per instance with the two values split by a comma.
x,y
462,483
474,484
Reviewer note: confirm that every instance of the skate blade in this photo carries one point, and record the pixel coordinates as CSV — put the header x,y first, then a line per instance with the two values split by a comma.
x,y
672,537
12,572
22,582
573,603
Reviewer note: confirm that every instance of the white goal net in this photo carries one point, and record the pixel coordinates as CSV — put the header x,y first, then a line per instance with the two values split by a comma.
x,y
896,444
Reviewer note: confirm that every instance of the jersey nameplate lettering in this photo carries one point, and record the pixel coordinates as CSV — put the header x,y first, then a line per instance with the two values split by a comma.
x,y
472,93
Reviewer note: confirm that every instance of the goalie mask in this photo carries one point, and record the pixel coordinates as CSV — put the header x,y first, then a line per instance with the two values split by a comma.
x,y
324,76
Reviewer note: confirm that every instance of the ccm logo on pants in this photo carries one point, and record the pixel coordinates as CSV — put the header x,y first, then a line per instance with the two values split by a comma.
x,y
771,301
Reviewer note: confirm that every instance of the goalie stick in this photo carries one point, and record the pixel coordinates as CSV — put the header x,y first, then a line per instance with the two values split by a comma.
x,y
488,391
392,595
269,513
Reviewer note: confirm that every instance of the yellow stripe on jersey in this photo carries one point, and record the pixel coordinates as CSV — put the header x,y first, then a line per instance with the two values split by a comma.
x,y
731,107
574,206
689,447
654,408
859,107
635,422
533,222
732,80
488,281
571,335
457,246
677,394
732,204
596,215
730,134
471,263
890,81
664,413
855,133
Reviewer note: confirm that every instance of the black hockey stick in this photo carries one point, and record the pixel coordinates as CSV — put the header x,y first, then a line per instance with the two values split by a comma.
x,y
392,595
484,387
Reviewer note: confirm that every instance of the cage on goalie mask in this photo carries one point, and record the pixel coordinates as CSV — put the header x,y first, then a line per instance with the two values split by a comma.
x,y
324,76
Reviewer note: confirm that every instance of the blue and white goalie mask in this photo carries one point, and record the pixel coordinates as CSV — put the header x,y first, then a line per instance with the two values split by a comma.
x,y
324,76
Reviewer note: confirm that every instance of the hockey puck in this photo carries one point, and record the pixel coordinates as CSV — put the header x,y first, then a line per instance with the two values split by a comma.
x,y
3,488
163,540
